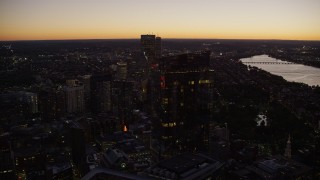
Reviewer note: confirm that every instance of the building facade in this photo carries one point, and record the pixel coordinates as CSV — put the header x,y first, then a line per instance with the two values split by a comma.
x,y
186,98
74,96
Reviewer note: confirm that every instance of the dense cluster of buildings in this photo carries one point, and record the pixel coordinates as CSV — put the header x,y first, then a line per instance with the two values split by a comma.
x,y
146,115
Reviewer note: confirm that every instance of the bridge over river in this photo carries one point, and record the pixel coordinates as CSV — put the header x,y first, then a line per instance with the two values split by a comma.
x,y
288,70
259,62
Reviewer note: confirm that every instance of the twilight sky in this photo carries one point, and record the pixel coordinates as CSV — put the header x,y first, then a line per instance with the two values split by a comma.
x,y
111,19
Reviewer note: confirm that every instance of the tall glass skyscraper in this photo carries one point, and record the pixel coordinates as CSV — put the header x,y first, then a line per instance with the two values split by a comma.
x,y
151,47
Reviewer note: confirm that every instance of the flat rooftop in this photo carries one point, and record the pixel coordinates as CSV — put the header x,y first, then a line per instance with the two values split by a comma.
x,y
182,163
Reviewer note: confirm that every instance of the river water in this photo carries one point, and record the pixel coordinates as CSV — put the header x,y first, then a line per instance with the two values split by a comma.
x,y
290,72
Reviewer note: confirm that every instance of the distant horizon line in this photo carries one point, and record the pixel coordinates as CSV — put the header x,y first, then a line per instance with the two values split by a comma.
x,y
158,36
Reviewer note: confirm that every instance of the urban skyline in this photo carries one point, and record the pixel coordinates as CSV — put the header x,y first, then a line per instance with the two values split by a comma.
x,y
150,89
123,19
158,108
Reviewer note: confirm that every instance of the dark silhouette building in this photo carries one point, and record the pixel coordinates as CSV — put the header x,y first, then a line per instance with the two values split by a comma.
x,y
186,97
185,166
52,104
30,163
158,51
78,147
151,47
6,158
100,93
121,100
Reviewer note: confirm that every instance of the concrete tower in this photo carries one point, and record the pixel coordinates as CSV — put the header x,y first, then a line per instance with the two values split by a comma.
x,y
287,152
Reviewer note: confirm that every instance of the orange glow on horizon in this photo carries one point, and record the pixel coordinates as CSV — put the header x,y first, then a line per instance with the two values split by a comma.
x,y
127,19
18,37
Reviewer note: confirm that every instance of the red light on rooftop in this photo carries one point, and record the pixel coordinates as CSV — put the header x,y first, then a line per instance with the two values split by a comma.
x,y
154,66
162,82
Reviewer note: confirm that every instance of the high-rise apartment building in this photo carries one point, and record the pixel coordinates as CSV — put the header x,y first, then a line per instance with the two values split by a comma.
x,y
86,79
74,96
122,70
